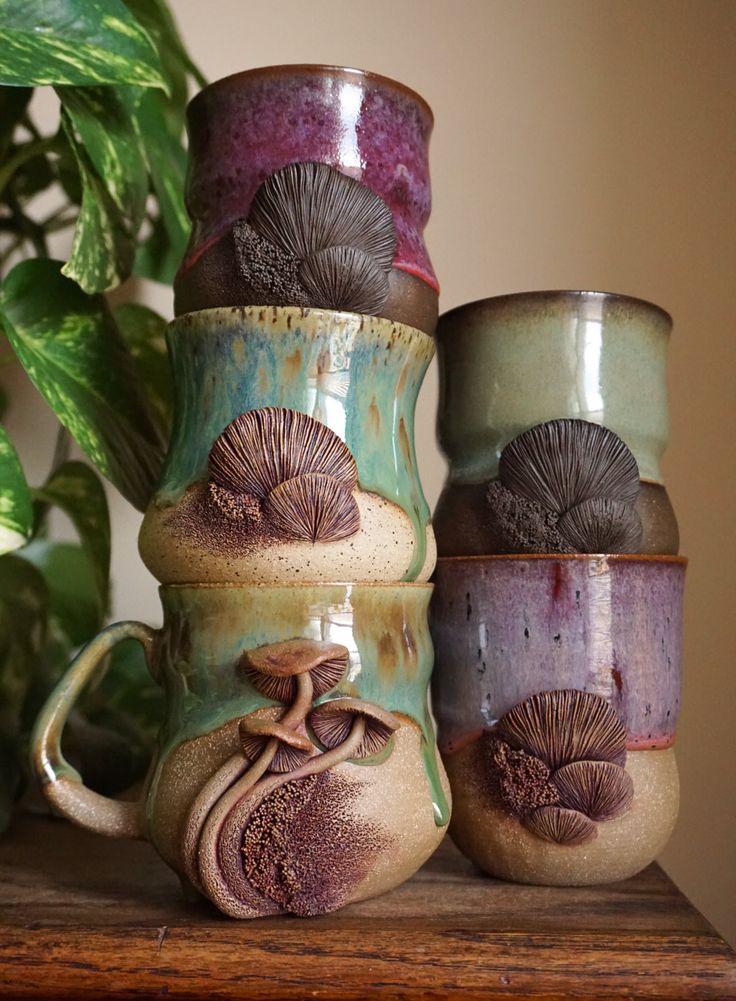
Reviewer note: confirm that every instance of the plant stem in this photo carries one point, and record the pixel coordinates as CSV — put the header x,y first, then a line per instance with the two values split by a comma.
x,y
25,152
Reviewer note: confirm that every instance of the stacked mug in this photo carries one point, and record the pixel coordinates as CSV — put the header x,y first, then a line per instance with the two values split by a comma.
x,y
557,609
297,769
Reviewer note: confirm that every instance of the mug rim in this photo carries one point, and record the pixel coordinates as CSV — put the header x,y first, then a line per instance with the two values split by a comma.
x,y
541,294
582,557
281,69
197,318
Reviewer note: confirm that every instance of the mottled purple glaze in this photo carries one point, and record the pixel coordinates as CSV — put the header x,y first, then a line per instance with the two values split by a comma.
x,y
506,627
245,126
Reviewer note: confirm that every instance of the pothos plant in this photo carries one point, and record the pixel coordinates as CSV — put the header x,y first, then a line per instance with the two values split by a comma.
x,y
113,174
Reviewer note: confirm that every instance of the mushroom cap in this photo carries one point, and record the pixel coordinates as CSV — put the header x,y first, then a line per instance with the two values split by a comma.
x,y
332,722
306,206
312,508
272,668
601,525
255,733
563,462
261,448
565,725
599,789
561,826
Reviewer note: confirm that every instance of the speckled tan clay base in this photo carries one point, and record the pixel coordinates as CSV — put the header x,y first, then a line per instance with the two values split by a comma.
x,y
382,550
499,844
395,796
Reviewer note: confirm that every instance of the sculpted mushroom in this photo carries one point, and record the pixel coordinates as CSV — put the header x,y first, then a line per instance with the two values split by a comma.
x,y
293,748
352,725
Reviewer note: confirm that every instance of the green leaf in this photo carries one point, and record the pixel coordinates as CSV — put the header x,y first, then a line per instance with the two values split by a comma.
x,y
78,491
16,508
72,350
75,42
156,18
23,602
104,122
74,599
145,334
167,164
103,249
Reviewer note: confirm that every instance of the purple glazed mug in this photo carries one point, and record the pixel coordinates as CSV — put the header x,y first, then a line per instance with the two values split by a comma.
x,y
556,690
246,126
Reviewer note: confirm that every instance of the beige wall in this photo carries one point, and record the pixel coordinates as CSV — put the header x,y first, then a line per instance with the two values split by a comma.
x,y
578,144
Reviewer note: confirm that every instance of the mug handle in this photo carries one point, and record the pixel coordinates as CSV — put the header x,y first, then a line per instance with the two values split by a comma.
x,y
61,784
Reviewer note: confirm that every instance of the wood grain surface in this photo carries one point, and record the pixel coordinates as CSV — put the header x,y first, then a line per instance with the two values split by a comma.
x,y
84,917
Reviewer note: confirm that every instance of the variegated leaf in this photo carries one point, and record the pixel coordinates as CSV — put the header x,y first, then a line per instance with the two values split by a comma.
x,y
145,334
73,352
75,42
103,249
104,122
78,491
16,509
73,598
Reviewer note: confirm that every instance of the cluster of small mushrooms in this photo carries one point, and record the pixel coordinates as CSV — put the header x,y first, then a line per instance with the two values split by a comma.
x,y
556,761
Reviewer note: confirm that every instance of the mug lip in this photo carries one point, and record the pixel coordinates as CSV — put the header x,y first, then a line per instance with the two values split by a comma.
x,y
295,585
282,69
356,322
671,558
538,295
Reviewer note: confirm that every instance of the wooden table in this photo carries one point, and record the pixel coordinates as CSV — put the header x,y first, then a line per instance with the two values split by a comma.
x,y
82,917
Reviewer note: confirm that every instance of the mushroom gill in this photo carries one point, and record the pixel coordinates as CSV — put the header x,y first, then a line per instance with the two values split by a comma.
x,y
599,789
333,723
261,448
312,508
563,462
272,669
293,749
563,726
562,826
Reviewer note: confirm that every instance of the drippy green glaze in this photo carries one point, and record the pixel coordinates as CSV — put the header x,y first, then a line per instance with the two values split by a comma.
x,y
207,629
359,375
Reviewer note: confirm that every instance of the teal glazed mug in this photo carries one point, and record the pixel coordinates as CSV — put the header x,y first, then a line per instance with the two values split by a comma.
x,y
292,453
297,769
511,363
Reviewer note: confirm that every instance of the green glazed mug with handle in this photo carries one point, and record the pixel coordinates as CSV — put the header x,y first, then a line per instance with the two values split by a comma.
x,y
297,769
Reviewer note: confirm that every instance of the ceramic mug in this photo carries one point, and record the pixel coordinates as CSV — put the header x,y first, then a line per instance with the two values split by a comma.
x,y
246,127
608,356
297,769
556,692
322,399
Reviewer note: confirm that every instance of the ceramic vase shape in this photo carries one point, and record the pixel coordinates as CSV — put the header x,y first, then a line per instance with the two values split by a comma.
x,y
321,399
297,769
516,362
331,146
556,692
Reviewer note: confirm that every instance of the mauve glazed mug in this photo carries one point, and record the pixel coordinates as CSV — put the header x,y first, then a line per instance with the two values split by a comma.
x,y
292,452
511,363
556,692
297,769
246,128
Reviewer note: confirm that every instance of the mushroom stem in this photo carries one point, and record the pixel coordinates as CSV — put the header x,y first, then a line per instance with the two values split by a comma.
x,y
229,773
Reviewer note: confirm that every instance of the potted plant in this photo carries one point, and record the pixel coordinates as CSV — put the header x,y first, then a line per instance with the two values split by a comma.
x,y
114,172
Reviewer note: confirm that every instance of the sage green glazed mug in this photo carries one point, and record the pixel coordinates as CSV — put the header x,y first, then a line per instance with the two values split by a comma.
x,y
297,768
512,362
292,453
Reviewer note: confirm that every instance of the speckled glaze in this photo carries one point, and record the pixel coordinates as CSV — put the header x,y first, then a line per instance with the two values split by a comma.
x,y
506,627
496,358
245,126
400,797
358,375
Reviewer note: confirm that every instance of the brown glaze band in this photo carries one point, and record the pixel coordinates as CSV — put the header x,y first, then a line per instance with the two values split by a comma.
x,y
514,298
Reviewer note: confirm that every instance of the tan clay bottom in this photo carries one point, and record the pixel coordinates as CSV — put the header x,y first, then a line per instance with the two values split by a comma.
x,y
381,550
394,800
499,844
